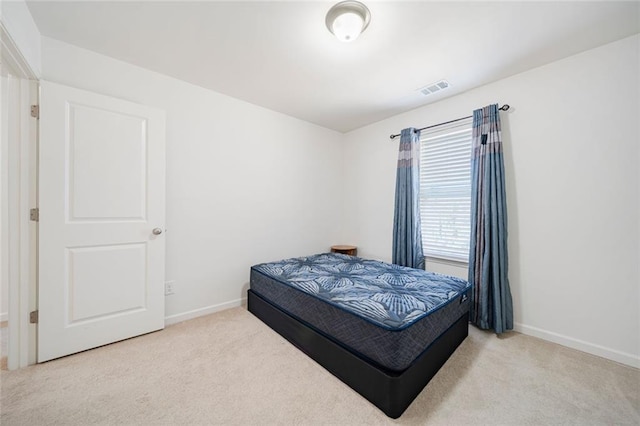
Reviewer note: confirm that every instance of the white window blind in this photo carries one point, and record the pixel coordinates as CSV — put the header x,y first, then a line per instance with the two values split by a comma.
x,y
445,190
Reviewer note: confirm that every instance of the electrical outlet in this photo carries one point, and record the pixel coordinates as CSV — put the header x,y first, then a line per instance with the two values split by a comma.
x,y
169,288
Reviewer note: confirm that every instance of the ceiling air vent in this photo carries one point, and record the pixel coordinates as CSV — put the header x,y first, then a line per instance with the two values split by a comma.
x,y
432,88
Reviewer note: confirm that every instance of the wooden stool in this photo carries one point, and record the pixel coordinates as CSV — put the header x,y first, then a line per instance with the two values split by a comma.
x,y
349,250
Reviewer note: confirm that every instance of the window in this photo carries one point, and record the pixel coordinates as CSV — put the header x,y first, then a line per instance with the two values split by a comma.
x,y
445,191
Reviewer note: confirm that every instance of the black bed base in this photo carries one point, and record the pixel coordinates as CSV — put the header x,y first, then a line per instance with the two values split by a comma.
x,y
391,392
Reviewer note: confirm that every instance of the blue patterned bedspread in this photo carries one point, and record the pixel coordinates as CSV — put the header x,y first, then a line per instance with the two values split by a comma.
x,y
391,296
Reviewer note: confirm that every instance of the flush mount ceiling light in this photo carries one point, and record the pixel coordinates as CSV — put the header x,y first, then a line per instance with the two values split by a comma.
x,y
347,19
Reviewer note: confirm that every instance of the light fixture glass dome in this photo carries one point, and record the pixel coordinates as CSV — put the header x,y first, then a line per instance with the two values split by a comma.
x,y
348,26
347,20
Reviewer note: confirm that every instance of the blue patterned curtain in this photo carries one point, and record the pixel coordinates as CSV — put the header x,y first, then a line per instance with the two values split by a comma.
x,y
491,305
407,236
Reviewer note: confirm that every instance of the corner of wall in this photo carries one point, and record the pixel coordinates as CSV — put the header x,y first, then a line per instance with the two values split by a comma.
x,y
18,25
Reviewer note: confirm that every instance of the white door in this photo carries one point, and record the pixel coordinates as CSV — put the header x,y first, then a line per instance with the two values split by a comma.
x,y
101,196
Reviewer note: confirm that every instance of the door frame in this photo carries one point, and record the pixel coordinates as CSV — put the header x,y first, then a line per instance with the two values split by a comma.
x,y
19,234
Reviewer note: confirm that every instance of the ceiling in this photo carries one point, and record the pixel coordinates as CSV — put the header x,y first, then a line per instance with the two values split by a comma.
x,y
280,55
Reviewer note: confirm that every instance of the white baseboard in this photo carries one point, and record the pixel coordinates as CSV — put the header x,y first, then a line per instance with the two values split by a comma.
x,y
173,319
570,342
581,345
4,316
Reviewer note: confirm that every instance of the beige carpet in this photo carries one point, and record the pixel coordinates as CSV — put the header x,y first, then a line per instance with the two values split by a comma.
x,y
229,368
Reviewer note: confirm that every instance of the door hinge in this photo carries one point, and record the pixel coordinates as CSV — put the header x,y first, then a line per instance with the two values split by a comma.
x,y
34,214
33,317
35,111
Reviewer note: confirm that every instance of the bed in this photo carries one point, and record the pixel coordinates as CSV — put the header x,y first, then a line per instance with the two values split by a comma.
x,y
384,330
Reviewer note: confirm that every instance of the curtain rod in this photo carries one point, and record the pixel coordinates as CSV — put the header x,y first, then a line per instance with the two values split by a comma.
x,y
504,107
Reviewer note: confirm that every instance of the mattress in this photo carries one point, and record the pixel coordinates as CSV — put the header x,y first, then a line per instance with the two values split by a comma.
x,y
386,314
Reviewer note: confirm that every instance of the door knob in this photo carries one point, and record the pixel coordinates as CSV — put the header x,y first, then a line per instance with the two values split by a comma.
x,y
157,231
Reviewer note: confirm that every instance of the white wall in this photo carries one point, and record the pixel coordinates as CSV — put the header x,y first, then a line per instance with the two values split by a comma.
x,y
571,152
18,22
572,156
244,184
